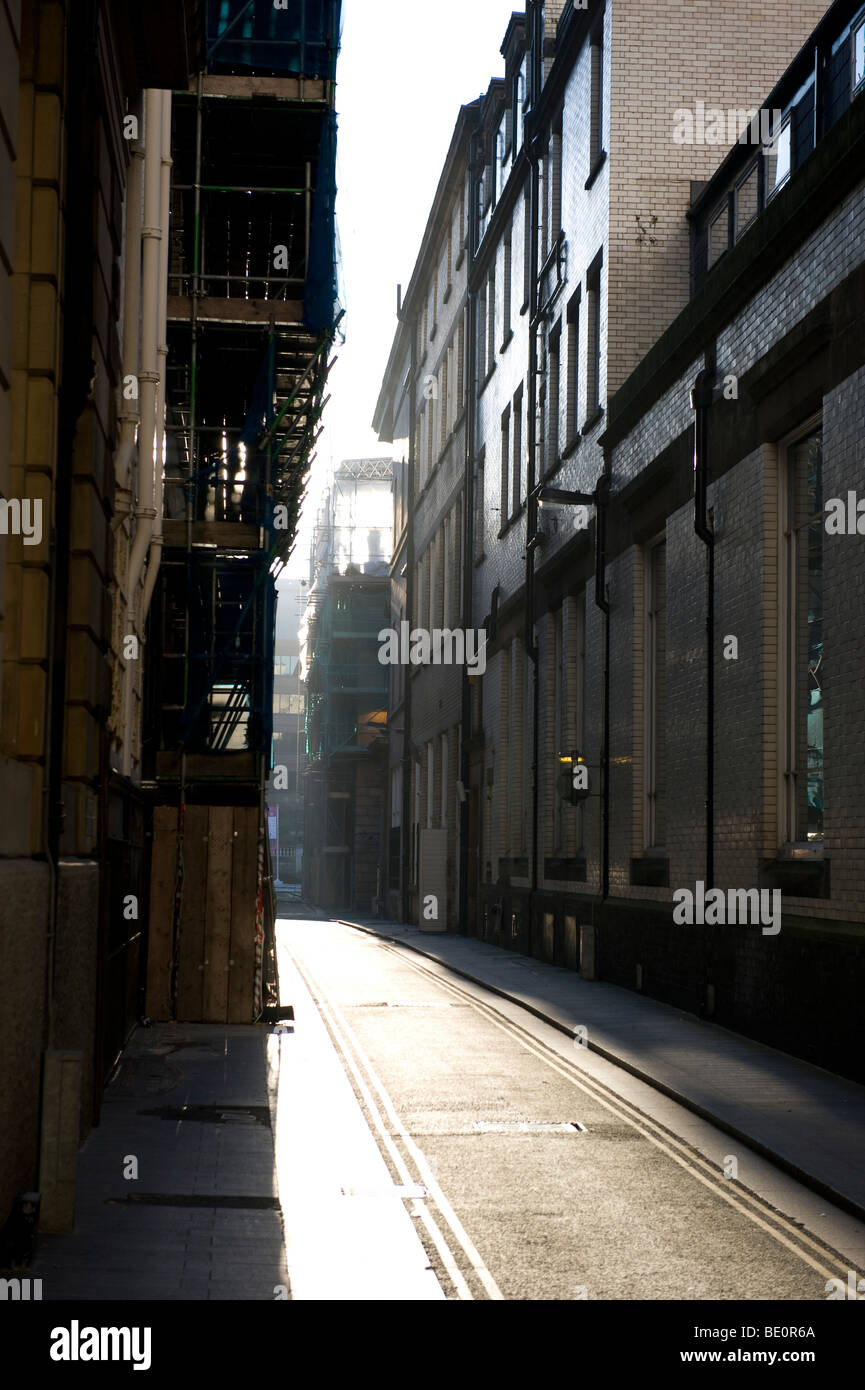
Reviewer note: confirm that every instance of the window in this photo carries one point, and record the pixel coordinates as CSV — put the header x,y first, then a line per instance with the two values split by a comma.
x,y
288,704
446,571
593,362
569,729
444,779
506,465
555,189
527,248
802,671
778,157
430,783
572,428
491,315
719,234
858,52
481,335
596,101
552,456
747,200
480,510
517,477
656,696
506,289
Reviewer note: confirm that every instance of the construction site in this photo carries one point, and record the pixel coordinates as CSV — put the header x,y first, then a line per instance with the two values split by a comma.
x,y
251,316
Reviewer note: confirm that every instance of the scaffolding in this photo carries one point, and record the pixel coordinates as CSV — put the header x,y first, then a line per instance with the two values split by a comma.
x,y
252,318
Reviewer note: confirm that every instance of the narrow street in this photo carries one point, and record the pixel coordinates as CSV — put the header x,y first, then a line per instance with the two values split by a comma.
x,y
455,1147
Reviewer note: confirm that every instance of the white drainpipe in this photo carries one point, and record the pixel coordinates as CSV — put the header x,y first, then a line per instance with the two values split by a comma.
x,y
148,378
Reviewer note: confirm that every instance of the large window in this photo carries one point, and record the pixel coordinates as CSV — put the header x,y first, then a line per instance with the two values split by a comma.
x,y
801,647
572,427
656,695
779,157
593,356
596,107
517,478
506,294
506,466
858,54
554,361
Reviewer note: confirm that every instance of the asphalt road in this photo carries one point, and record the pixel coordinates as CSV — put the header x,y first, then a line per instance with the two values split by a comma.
x,y
432,1144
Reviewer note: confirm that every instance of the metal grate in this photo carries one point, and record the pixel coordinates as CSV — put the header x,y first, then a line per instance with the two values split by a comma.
x,y
528,1127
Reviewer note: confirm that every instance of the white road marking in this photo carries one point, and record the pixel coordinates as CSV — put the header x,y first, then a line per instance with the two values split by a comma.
x,y
343,1029
338,1248
743,1202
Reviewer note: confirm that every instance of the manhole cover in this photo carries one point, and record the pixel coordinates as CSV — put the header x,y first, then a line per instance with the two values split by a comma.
x,y
528,1127
214,1114
410,1193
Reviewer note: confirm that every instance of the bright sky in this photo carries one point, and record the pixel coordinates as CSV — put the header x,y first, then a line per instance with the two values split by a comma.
x,y
405,69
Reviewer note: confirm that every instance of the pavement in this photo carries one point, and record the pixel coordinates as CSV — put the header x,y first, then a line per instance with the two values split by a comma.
x,y
176,1194
806,1120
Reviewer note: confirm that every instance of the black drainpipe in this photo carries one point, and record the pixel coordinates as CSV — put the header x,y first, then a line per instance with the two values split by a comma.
x,y
532,442
701,402
407,830
602,602
468,546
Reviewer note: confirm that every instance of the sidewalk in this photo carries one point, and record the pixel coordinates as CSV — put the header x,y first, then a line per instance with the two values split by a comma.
x,y
193,1104
807,1121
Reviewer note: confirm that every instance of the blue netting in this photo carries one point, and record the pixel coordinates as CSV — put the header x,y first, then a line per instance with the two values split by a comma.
x,y
254,35
321,305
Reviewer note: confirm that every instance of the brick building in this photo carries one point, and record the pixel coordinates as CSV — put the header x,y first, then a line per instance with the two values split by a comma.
x,y
423,407
346,691
605,274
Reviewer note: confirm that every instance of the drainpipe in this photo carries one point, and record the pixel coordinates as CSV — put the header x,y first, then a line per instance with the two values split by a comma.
x,y
407,831
532,442
125,457
701,402
468,541
155,554
148,376
602,602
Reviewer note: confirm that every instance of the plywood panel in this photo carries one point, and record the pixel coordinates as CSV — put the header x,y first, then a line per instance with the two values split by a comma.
x,y
244,887
190,975
218,914
163,869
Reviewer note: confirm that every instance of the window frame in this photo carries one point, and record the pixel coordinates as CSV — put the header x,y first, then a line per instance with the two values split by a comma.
x,y
787,746
651,673
856,29
786,125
